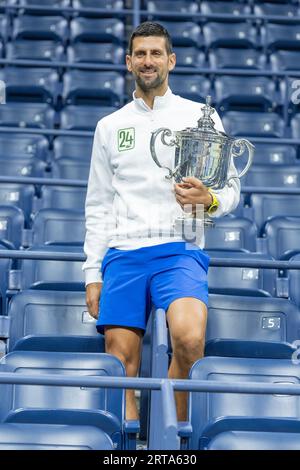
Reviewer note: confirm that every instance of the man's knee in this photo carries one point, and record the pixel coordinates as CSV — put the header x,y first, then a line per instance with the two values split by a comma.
x,y
127,351
188,348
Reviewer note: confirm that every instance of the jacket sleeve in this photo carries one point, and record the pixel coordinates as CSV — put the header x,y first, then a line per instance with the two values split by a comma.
x,y
98,207
229,196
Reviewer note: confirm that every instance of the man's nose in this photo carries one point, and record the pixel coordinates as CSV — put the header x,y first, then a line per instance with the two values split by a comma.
x,y
148,60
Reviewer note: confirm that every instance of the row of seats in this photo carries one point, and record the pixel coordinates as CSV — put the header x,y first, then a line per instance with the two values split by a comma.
x,y
278,235
185,33
45,85
58,28
37,84
106,52
85,117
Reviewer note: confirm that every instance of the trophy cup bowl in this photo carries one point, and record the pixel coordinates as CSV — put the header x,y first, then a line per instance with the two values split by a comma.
x,y
202,152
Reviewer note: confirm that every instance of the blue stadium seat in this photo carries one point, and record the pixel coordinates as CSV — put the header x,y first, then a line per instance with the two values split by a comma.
x,y
61,343
232,233
229,35
18,195
295,126
191,87
94,29
289,89
22,167
68,168
11,226
44,3
280,176
180,6
4,27
279,36
103,4
102,407
41,313
283,10
47,437
107,53
23,145
256,439
30,84
241,281
257,320
229,8
77,148
208,410
83,117
258,93
256,124
46,27
58,226
52,275
89,87
184,33
222,58
26,49
38,115
59,197
273,154
265,206
294,280
284,60
282,236
189,56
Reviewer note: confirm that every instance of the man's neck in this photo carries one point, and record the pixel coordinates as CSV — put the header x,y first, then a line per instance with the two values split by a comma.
x,y
150,95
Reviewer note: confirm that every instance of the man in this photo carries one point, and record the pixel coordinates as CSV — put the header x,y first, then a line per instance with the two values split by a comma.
x,y
130,208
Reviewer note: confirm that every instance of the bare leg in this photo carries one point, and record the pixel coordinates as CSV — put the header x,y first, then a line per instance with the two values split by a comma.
x,y
125,344
187,323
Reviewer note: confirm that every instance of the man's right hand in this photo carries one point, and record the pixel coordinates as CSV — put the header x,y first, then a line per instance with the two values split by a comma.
x,y
92,295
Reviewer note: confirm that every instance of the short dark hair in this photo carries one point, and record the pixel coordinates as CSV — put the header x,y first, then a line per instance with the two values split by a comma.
x,y
151,29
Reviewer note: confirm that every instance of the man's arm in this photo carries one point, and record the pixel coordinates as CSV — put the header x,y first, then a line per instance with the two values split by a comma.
x,y
99,219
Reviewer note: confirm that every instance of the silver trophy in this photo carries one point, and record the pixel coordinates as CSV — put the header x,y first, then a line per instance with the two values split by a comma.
x,y
203,152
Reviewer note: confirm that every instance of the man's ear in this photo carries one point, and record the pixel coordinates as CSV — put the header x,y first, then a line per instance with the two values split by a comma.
x,y
128,63
172,61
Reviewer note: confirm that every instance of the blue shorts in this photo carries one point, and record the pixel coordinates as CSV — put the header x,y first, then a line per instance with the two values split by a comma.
x,y
135,280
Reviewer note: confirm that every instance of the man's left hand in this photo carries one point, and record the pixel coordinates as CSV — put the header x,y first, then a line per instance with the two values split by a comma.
x,y
192,191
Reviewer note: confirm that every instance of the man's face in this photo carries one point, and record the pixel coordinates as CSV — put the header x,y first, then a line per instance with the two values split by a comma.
x,y
150,63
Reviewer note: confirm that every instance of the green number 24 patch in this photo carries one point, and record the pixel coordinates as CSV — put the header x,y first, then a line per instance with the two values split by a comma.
x,y
126,139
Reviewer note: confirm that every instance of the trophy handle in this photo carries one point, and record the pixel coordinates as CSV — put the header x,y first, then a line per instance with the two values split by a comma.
x,y
165,133
240,145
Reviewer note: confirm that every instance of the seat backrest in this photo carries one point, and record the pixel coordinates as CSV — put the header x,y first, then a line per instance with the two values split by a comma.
x,y
56,313
60,275
57,197
68,168
238,34
274,154
23,436
233,233
223,57
95,29
279,176
79,148
241,281
207,408
252,319
18,195
24,145
35,50
11,225
258,440
83,117
282,235
37,115
61,397
258,124
57,226
266,206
